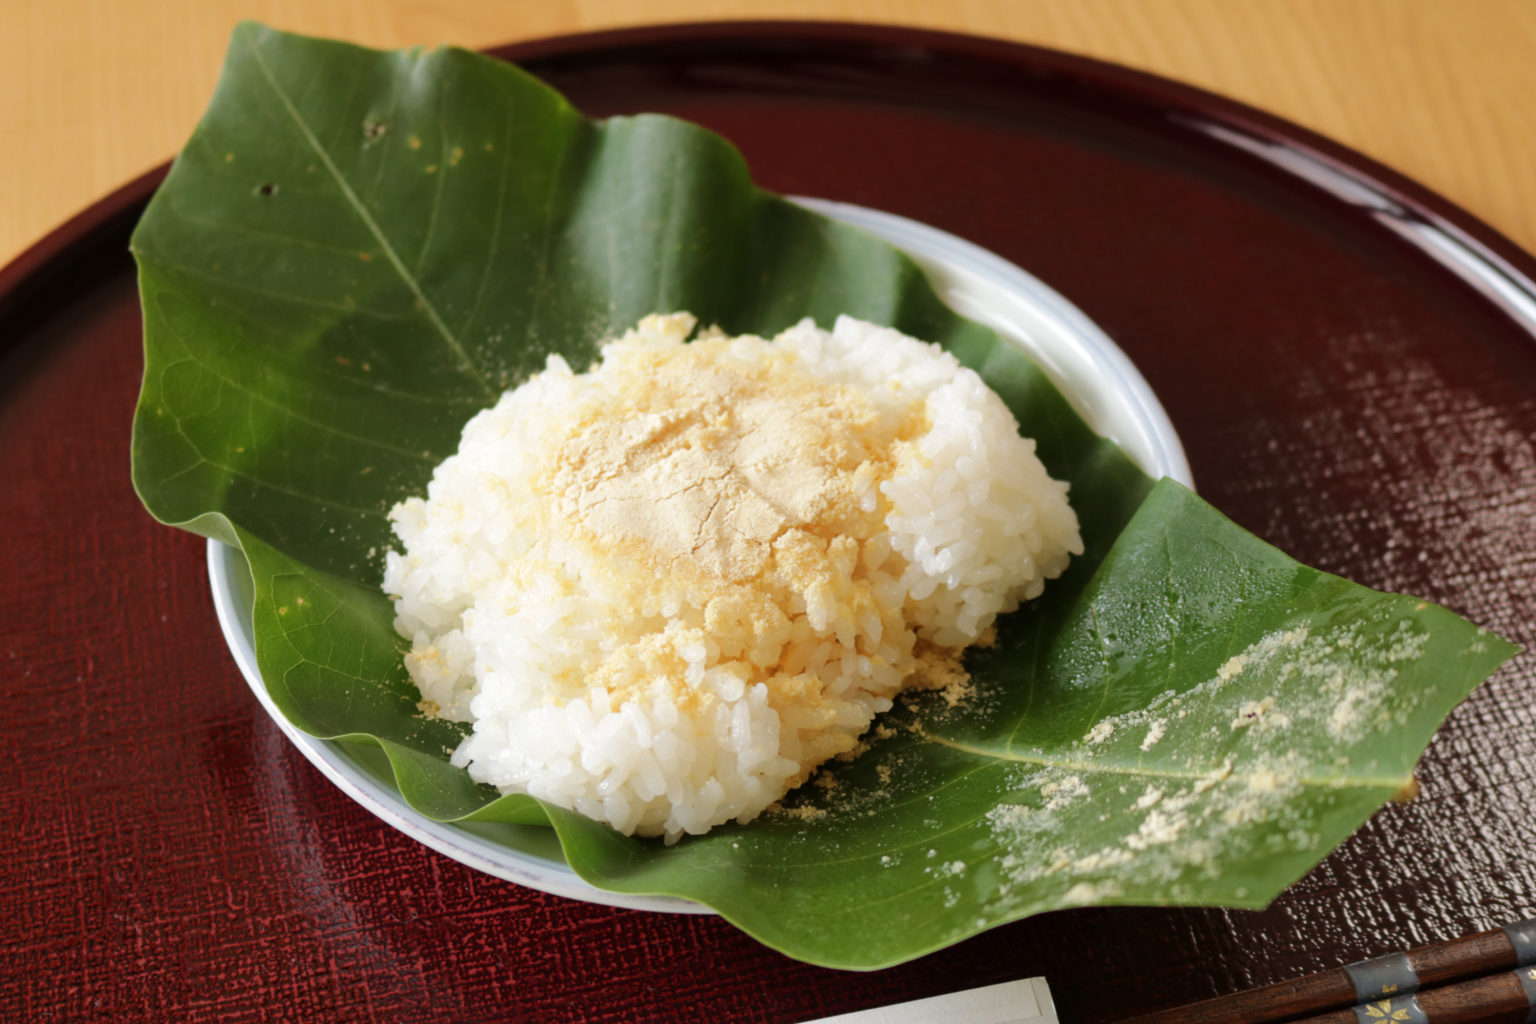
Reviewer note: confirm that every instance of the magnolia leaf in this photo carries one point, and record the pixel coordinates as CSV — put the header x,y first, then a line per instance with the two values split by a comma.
x,y
358,250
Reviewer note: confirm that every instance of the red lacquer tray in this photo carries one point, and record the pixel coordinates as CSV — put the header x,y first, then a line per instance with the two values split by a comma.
x,y
1349,360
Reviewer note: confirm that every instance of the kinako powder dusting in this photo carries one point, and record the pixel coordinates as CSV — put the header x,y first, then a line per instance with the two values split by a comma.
x,y
667,589
743,483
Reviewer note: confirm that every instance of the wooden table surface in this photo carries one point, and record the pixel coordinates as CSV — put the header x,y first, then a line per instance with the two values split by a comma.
x,y
96,93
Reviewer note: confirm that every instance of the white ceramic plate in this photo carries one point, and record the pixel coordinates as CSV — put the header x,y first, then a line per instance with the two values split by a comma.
x,y
1083,362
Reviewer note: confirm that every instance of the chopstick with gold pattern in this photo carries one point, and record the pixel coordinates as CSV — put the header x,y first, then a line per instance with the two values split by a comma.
x,y
1387,984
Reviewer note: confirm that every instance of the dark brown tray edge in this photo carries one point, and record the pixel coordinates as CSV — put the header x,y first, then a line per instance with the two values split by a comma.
x,y
1144,87
36,265
39,264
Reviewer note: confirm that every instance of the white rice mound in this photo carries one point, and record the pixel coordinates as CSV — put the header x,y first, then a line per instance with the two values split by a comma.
x,y
635,687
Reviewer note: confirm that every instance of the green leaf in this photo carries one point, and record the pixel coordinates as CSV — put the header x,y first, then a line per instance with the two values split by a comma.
x,y
358,250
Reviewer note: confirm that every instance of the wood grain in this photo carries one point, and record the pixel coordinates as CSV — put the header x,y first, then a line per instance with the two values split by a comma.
x,y
96,92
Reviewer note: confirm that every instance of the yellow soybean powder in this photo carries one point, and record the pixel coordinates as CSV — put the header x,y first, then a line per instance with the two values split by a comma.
x,y
667,589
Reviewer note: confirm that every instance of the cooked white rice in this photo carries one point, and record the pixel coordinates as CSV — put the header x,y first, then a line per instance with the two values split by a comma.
x,y
610,667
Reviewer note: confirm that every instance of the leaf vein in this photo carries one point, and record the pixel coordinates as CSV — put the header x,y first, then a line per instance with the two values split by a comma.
x,y
424,303
1392,784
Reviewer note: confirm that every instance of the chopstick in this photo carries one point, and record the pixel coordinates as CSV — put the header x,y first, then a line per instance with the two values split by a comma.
x,y
1508,998
1454,963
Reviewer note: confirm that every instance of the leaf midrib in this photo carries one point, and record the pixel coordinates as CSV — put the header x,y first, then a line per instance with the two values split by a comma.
x,y
355,202
1183,775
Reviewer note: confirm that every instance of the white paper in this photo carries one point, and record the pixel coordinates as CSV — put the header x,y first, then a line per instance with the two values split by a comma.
x,y
1013,1002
